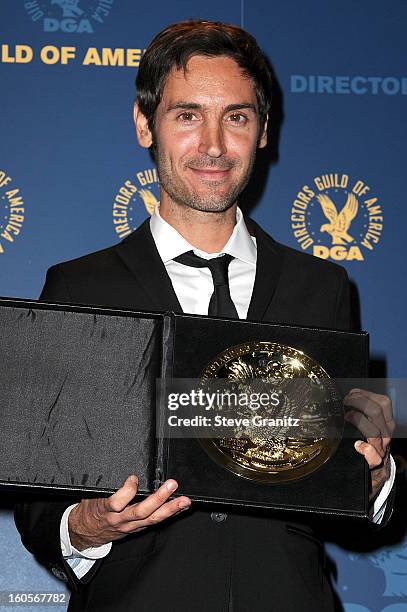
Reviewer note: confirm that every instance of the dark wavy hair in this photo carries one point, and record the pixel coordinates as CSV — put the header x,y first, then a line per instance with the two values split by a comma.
x,y
177,43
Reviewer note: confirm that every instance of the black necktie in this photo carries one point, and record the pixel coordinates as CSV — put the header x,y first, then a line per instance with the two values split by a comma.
x,y
221,304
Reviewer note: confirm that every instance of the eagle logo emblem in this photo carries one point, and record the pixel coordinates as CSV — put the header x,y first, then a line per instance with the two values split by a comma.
x,y
339,223
70,8
337,216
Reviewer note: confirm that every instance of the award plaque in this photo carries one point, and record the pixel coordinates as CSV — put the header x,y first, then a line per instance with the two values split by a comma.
x,y
84,403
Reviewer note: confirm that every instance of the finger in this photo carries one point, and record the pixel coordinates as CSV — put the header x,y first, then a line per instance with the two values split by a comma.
x,y
123,496
369,430
372,410
385,444
369,452
377,443
384,401
363,424
360,400
145,508
168,509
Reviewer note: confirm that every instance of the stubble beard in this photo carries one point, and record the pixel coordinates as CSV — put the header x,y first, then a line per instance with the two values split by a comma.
x,y
214,200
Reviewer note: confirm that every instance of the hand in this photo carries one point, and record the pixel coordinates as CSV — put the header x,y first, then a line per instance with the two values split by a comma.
x,y
94,522
373,417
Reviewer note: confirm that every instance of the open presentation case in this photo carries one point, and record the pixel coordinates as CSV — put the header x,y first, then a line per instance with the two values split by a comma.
x,y
78,405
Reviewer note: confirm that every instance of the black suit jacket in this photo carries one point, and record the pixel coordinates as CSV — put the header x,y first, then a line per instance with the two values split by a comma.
x,y
191,561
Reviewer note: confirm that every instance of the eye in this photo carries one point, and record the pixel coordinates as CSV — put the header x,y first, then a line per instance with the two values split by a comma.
x,y
187,117
238,118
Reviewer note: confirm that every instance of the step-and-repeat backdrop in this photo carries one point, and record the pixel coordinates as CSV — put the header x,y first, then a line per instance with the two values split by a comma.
x,y
73,179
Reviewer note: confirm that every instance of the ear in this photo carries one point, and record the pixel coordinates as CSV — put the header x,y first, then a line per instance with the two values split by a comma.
x,y
263,135
144,135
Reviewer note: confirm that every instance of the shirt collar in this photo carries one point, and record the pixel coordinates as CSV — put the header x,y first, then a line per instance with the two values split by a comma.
x,y
170,243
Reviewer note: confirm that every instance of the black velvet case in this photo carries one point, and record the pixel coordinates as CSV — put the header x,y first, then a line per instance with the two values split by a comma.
x,y
78,405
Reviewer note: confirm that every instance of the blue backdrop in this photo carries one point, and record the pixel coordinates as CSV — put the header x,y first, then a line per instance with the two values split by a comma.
x,y
73,179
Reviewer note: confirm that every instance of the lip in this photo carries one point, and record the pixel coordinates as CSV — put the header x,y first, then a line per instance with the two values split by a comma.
x,y
209,173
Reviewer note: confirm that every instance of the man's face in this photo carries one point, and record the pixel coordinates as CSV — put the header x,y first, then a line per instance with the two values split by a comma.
x,y
206,134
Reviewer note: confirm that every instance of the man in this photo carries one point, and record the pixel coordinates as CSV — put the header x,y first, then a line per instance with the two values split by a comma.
x,y
203,96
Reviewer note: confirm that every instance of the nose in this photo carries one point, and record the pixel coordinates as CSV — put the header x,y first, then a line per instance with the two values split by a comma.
x,y
212,141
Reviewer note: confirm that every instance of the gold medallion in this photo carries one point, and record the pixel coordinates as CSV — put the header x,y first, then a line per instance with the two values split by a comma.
x,y
284,439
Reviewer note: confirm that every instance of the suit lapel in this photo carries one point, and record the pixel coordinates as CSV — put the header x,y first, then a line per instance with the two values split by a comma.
x,y
268,271
140,255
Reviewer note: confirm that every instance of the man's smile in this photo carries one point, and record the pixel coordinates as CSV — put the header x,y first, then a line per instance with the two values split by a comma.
x,y
210,173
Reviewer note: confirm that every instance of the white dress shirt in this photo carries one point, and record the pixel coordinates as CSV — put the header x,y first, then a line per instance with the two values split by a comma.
x,y
193,288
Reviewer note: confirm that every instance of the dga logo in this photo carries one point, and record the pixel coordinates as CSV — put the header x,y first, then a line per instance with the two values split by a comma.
x,y
11,211
337,217
69,15
133,198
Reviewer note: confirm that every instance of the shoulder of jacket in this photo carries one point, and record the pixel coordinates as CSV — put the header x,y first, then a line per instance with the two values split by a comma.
x,y
85,263
98,259
311,262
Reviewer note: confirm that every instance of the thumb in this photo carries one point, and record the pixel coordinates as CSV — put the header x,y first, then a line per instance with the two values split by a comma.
x,y
123,496
369,452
